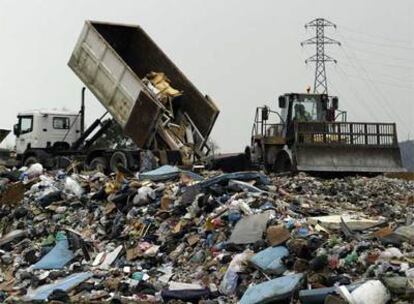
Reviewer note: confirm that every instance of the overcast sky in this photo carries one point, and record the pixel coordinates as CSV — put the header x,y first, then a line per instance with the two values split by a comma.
x,y
241,53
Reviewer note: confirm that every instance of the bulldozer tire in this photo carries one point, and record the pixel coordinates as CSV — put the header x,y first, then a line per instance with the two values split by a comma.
x,y
99,163
282,163
118,159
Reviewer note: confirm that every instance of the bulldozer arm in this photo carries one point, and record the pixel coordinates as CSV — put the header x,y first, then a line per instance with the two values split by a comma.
x,y
346,147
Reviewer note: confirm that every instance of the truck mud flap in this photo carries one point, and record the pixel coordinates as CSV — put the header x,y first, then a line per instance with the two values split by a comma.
x,y
346,158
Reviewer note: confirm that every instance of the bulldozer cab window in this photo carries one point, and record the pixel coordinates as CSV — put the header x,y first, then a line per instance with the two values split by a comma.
x,y
305,110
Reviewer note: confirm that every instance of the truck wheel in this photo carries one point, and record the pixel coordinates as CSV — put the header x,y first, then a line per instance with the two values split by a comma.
x,y
61,162
118,159
99,163
30,161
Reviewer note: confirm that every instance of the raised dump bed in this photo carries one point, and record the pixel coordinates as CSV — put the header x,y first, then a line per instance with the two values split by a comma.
x,y
112,60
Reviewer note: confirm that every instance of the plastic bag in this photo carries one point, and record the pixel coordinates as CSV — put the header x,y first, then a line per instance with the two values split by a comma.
x,y
144,195
371,292
72,187
229,283
34,170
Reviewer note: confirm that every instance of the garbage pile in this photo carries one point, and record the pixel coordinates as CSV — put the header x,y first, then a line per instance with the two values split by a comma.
x,y
174,236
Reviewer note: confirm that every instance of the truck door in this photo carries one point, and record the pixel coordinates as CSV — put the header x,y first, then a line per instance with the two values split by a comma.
x,y
59,127
24,130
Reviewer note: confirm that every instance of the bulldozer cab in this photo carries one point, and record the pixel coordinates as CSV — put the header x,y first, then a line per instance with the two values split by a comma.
x,y
296,108
274,128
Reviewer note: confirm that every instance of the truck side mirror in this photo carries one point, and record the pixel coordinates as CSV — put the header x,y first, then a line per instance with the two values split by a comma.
x,y
282,102
335,103
16,130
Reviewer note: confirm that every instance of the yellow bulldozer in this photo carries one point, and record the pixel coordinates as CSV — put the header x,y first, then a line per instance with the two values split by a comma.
x,y
306,136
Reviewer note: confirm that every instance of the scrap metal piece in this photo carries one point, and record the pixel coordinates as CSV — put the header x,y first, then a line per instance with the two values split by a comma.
x,y
250,228
57,258
65,284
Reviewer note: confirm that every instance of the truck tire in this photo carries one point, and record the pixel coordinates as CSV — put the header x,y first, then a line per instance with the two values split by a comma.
x,y
30,161
62,162
38,156
118,159
99,163
270,156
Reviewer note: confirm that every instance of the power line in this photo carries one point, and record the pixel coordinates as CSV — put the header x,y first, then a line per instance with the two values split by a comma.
x,y
375,36
355,93
381,81
370,51
340,94
354,65
389,76
376,91
389,64
320,58
382,44
367,79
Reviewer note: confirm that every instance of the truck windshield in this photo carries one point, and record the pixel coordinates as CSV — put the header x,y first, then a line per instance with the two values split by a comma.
x,y
305,110
25,124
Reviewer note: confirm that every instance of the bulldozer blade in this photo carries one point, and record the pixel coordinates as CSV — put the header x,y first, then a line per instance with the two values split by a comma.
x,y
348,159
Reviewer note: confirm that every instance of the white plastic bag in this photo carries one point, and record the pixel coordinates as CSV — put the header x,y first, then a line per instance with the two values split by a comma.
x,y
144,195
34,170
72,187
371,292
229,283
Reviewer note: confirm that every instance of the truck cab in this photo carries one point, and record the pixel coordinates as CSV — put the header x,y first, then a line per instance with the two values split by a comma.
x,y
39,130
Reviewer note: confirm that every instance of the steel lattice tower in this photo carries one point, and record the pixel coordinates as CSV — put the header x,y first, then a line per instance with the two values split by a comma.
x,y
320,40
